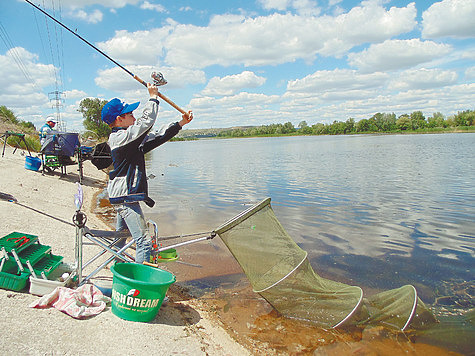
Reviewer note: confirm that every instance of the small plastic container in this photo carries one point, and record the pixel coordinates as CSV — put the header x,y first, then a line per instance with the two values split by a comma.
x,y
32,163
40,286
168,254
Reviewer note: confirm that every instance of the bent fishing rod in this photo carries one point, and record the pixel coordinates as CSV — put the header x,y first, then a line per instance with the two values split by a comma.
x,y
158,79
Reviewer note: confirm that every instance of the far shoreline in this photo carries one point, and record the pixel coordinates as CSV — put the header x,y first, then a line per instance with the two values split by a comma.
x,y
467,129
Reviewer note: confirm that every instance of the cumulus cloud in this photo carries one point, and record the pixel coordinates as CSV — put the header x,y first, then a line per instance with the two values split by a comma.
x,y
449,18
469,53
274,39
302,7
397,54
254,109
140,47
155,7
470,73
280,5
423,79
282,38
336,80
261,109
231,84
92,17
315,108
75,94
25,84
22,76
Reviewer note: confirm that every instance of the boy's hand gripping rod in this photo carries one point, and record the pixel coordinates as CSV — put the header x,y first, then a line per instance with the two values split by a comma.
x,y
158,79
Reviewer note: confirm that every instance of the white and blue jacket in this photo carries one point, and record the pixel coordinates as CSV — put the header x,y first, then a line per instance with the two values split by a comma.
x,y
44,131
128,179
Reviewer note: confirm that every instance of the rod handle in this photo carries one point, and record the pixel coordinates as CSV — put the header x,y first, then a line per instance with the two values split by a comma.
x,y
137,78
171,103
150,264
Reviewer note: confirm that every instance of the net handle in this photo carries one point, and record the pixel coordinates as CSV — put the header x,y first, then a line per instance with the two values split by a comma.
x,y
242,216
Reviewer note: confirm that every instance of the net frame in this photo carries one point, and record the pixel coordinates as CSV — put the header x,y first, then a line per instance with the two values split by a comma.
x,y
299,262
284,277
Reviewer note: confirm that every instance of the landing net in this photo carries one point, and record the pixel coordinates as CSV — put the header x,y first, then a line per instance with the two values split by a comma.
x,y
278,269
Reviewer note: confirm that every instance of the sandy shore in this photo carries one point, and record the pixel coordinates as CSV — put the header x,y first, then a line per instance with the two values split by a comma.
x,y
45,208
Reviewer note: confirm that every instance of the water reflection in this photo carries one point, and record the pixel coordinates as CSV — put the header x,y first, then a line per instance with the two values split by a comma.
x,y
401,205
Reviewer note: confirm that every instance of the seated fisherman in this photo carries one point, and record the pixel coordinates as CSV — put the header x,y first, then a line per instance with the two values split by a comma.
x,y
47,128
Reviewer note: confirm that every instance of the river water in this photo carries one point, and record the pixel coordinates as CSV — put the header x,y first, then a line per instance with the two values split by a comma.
x,y
378,211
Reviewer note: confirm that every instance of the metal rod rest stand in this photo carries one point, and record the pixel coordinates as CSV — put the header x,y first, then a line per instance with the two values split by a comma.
x,y
7,134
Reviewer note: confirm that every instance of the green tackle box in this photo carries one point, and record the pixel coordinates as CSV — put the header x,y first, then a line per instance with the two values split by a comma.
x,y
32,259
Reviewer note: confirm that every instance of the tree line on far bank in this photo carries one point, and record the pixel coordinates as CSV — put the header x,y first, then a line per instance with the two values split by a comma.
x,y
90,108
380,122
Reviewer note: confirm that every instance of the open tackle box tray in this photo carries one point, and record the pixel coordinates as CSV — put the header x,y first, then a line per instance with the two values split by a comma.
x,y
46,266
22,256
17,241
34,253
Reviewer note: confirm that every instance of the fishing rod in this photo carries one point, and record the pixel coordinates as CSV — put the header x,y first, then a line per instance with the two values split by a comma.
x,y
158,79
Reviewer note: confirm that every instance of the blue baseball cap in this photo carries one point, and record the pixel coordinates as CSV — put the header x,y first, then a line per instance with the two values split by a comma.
x,y
114,108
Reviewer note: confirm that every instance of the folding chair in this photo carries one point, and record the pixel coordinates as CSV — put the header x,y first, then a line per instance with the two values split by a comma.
x,y
57,149
107,242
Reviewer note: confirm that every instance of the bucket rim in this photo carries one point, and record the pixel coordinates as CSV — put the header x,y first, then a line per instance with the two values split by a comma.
x,y
142,283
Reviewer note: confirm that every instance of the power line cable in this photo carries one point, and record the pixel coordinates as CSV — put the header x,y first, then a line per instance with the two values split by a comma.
x,y
63,69
42,43
59,85
57,75
51,51
13,51
60,61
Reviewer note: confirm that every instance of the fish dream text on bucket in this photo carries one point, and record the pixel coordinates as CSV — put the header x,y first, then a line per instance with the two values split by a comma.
x,y
134,302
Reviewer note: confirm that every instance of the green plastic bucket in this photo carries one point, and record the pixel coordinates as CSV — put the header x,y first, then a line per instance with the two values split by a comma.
x,y
138,290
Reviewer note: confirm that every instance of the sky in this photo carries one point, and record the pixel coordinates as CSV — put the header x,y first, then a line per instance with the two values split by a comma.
x,y
237,63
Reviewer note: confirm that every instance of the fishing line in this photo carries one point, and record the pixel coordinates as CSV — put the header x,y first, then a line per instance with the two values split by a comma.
x,y
10,198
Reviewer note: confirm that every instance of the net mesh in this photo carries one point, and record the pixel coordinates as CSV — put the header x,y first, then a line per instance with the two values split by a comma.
x,y
278,269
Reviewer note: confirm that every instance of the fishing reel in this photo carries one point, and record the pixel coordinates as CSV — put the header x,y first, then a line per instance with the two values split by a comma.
x,y
158,79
